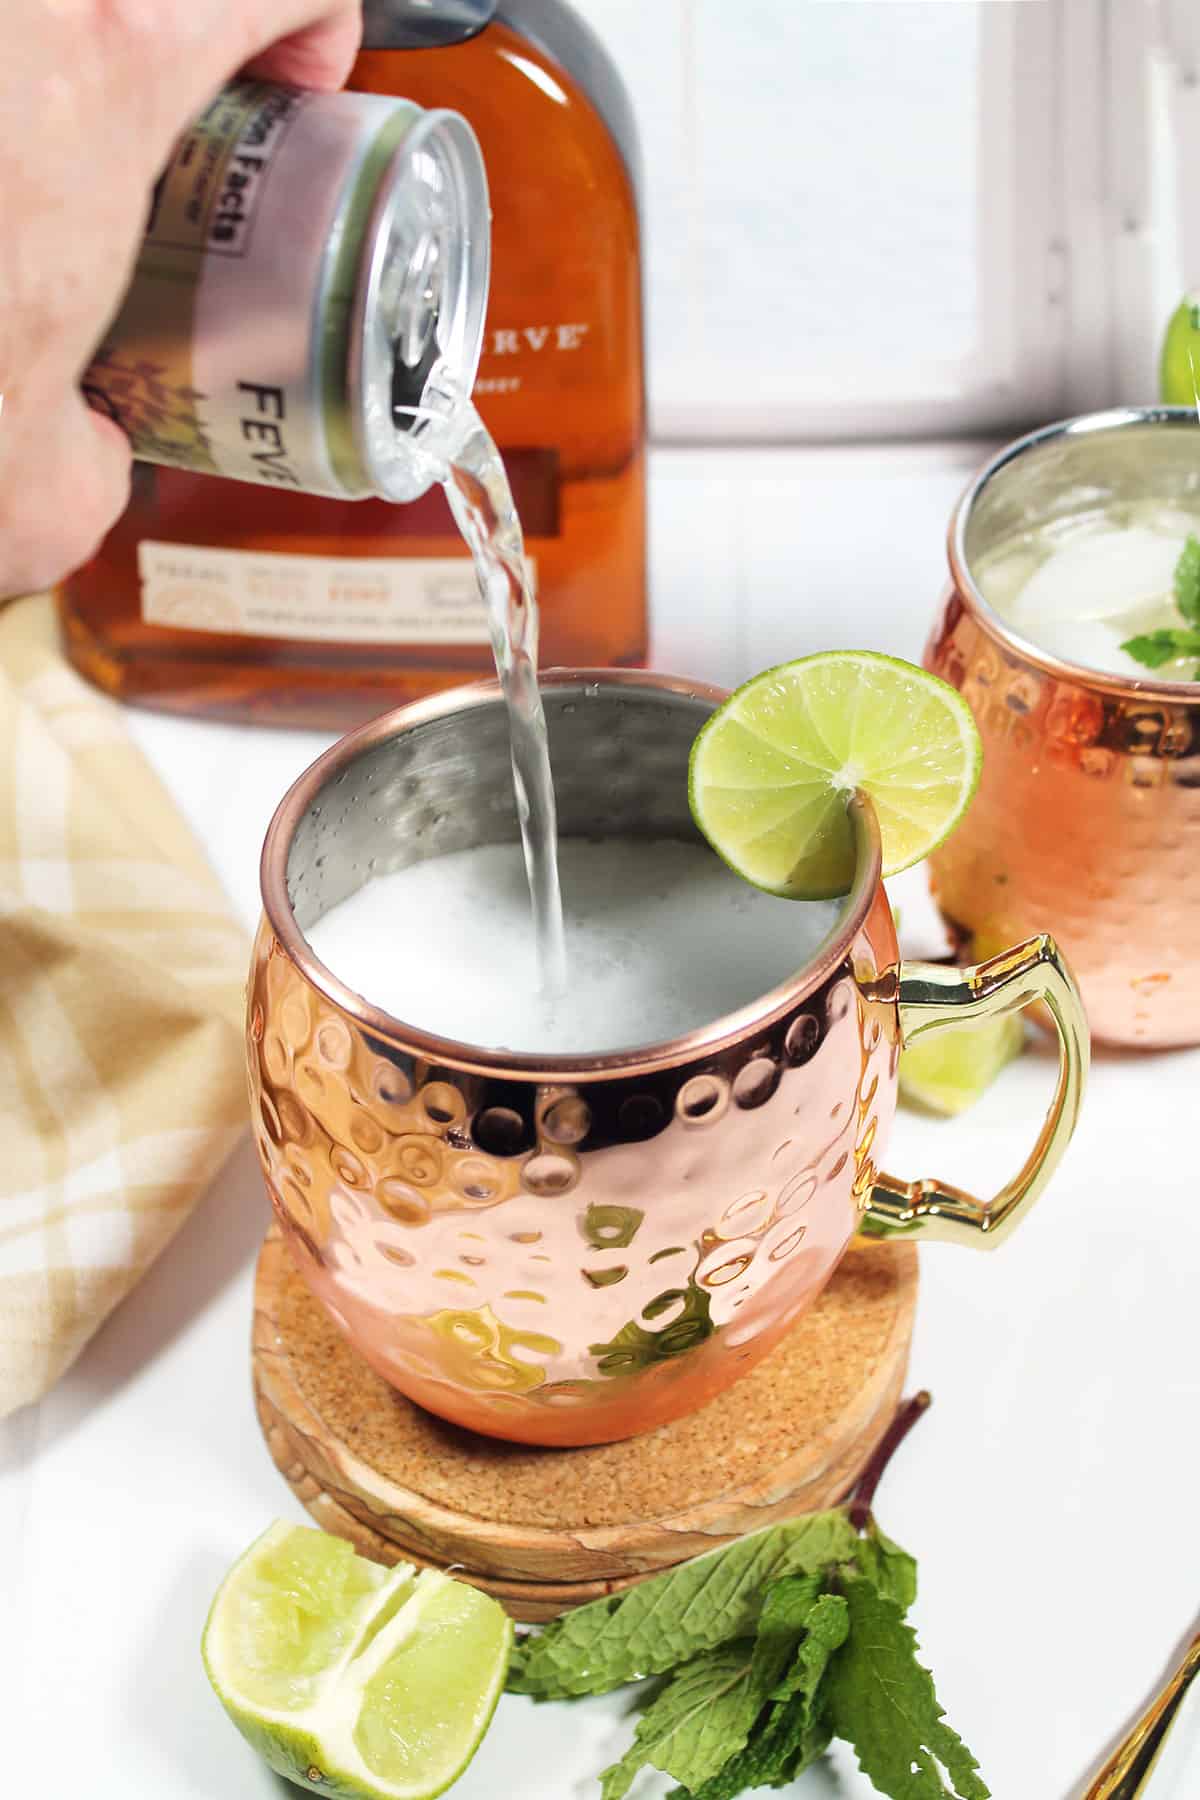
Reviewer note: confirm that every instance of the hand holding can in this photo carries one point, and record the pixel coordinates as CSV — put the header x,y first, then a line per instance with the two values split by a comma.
x,y
94,103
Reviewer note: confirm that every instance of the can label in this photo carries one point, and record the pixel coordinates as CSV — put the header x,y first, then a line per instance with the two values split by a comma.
x,y
229,353
321,599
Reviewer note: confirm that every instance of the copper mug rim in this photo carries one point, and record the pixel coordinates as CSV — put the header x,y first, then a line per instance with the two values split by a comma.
x,y
1113,419
710,1039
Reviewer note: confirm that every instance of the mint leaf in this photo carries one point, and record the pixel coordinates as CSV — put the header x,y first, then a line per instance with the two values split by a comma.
x,y
695,1725
773,1758
704,1718
880,1699
828,1629
794,1733
789,1602
1154,648
1187,580
891,1571
796,1635
674,1616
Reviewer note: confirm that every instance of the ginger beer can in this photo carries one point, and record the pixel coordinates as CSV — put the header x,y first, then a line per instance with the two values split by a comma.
x,y
307,304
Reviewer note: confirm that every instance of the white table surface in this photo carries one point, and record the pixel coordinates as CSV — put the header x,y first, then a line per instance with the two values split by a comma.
x,y
1050,1494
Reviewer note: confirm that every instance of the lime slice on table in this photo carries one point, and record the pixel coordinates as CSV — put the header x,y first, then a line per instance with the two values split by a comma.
x,y
947,1071
773,769
352,1679
1179,370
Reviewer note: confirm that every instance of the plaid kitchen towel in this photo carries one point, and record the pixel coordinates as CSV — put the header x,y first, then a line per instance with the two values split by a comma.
x,y
121,971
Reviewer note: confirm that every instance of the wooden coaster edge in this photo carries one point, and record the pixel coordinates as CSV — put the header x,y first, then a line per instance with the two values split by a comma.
x,y
323,1472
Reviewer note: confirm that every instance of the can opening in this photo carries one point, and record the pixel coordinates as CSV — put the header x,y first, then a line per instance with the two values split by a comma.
x,y
420,307
414,313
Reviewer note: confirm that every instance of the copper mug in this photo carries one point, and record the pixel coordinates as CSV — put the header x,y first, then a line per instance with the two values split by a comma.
x,y
1087,816
573,1249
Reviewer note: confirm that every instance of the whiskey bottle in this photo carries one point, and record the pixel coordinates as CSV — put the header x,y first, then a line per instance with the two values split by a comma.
x,y
560,386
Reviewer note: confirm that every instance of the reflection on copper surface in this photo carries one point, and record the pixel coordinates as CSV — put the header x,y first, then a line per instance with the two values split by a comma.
x,y
580,1251
729,1197
1086,822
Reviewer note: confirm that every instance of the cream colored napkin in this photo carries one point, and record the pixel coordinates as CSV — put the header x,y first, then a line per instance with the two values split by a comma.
x,y
121,971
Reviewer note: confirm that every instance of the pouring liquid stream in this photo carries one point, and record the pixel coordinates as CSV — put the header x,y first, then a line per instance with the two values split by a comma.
x,y
481,501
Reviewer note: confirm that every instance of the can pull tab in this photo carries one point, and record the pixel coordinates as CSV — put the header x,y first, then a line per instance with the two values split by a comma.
x,y
411,304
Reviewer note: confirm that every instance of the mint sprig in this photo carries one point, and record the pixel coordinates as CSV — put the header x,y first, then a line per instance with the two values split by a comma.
x,y
701,1718
771,1646
698,1728
794,1732
1154,648
663,1623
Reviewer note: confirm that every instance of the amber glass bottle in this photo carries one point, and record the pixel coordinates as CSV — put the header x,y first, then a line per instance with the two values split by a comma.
x,y
560,386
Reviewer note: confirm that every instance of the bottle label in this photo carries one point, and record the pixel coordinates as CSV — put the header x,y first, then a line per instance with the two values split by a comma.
x,y
512,354
318,599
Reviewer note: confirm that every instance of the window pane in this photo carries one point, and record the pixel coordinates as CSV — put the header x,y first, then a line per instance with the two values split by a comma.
x,y
851,212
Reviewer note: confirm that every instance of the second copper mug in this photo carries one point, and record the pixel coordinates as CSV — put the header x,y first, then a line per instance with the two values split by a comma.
x,y
573,1249
1087,817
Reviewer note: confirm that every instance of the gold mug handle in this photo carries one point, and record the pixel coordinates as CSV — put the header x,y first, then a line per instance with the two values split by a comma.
x,y
931,996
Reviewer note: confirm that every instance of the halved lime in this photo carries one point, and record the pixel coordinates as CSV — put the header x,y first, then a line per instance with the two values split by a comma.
x,y
773,770
350,1679
948,1070
1179,371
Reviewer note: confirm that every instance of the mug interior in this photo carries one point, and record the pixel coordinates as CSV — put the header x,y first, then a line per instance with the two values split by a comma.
x,y
435,778
1069,471
1082,467
444,783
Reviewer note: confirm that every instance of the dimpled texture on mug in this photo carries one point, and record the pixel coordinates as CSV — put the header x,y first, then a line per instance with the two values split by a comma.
x,y
508,1252
1086,824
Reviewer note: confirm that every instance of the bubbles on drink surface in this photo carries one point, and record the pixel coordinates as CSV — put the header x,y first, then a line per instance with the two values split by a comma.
x,y
662,939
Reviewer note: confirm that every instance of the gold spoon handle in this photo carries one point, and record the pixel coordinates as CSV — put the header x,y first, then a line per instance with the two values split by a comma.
x,y
1125,1774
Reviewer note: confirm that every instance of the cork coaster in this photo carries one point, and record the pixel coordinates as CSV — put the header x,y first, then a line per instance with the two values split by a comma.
x,y
544,1529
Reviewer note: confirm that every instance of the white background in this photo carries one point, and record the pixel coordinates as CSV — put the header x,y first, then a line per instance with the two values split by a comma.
x,y
908,216
865,218
1050,1494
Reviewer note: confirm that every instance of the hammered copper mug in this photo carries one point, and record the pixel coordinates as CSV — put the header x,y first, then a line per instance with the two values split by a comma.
x,y
1086,821
573,1249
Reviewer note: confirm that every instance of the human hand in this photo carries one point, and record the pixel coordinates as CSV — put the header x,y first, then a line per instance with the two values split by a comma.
x,y
93,94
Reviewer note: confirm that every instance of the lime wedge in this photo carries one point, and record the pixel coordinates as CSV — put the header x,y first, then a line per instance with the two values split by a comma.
x,y
773,769
948,1070
1179,371
350,1679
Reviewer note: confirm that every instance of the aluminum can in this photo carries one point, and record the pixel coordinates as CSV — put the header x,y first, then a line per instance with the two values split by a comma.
x,y
307,304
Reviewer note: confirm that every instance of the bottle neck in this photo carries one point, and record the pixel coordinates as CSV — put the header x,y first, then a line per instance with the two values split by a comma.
x,y
423,24
556,29
550,25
